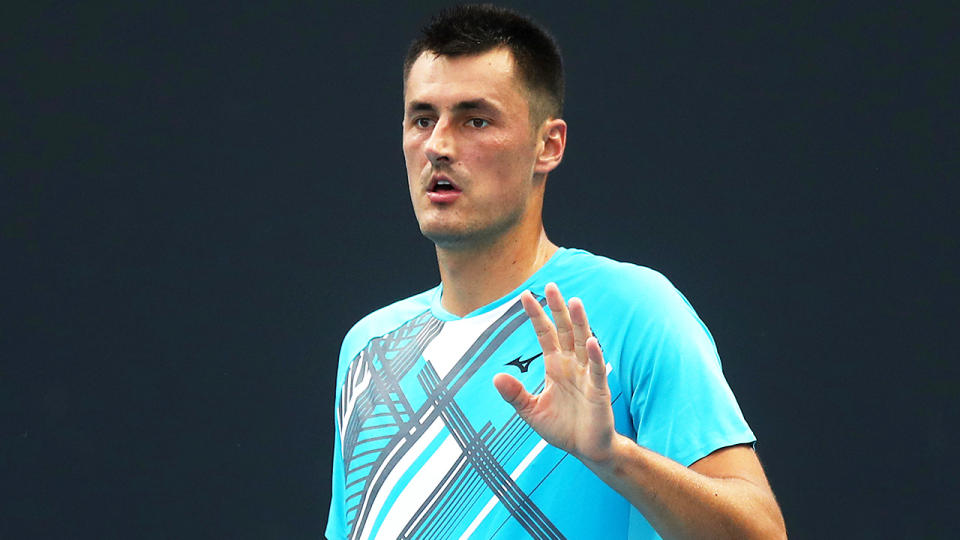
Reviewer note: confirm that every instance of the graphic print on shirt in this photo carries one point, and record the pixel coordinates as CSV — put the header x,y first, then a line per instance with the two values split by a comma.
x,y
523,365
427,452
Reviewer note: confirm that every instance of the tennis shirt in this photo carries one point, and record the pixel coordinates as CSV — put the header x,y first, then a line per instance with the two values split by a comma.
x,y
425,447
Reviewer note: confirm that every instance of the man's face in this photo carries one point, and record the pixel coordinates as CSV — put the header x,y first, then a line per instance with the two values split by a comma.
x,y
470,149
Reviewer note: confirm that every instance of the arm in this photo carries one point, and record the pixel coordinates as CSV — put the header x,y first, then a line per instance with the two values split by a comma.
x,y
722,495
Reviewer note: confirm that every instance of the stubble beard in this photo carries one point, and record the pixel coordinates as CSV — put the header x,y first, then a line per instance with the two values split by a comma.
x,y
473,235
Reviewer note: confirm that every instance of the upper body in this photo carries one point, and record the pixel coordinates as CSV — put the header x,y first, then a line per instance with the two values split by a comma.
x,y
481,132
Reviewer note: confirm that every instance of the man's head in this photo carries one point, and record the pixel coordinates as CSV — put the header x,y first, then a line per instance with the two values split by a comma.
x,y
471,30
477,156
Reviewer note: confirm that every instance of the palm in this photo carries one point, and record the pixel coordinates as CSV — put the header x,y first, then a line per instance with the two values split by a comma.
x,y
573,412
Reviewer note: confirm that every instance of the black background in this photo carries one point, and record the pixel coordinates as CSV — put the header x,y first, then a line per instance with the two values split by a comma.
x,y
199,201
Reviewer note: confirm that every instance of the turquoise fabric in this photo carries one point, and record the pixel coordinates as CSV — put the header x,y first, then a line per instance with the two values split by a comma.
x,y
426,448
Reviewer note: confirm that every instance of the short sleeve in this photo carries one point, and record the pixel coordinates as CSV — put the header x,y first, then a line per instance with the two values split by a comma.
x,y
681,404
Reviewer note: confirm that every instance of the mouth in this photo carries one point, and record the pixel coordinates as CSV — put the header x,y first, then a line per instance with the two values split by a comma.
x,y
442,190
442,184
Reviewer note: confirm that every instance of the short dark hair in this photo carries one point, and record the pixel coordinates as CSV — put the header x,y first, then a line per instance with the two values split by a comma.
x,y
476,29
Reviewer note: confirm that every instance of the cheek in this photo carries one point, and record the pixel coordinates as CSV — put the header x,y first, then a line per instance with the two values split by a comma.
x,y
496,153
513,161
412,156
408,149
412,143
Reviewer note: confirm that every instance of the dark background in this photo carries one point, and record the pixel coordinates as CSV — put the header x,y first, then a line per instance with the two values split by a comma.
x,y
198,202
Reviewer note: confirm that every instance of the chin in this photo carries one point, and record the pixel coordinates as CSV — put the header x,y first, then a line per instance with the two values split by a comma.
x,y
463,238
449,235
446,238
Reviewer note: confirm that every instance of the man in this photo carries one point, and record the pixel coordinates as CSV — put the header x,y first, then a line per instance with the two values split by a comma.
x,y
464,411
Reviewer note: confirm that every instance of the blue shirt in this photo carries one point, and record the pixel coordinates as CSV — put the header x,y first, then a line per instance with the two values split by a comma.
x,y
426,447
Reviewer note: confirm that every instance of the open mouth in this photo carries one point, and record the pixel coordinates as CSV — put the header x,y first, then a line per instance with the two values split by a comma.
x,y
442,185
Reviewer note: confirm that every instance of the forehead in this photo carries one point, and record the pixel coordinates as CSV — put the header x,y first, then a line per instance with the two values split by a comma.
x,y
490,75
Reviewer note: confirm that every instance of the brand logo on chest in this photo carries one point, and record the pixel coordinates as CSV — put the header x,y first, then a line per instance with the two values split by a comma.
x,y
523,365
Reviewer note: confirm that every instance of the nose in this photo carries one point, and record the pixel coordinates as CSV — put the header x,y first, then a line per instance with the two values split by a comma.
x,y
439,147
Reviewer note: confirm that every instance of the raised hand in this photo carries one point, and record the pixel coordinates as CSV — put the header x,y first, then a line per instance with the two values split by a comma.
x,y
573,411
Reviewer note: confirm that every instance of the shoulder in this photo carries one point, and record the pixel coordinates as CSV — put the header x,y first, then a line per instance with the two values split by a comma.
x,y
633,302
383,321
617,281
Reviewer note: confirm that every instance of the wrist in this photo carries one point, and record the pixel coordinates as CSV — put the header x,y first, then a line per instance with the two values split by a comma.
x,y
614,461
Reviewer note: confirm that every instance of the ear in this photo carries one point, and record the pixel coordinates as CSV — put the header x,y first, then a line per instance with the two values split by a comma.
x,y
553,140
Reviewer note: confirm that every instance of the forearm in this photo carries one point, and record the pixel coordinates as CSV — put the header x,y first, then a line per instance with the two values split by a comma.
x,y
682,503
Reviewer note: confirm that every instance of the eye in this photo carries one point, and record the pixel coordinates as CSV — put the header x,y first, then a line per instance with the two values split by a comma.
x,y
423,122
478,123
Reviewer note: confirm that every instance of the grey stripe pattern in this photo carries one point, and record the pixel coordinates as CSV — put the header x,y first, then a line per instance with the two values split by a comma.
x,y
384,426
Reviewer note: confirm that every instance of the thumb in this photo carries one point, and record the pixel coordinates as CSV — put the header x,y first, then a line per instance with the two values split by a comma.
x,y
512,391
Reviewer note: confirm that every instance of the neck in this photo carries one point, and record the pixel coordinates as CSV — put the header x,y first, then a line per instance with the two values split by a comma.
x,y
473,278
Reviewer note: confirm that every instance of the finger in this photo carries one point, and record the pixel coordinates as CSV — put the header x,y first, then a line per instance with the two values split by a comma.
x,y
513,392
581,329
546,333
598,368
561,317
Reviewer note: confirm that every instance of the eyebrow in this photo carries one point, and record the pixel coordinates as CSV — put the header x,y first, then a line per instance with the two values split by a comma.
x,y
469,105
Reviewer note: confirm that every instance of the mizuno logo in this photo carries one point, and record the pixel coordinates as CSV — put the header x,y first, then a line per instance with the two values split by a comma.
x,y
523,365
